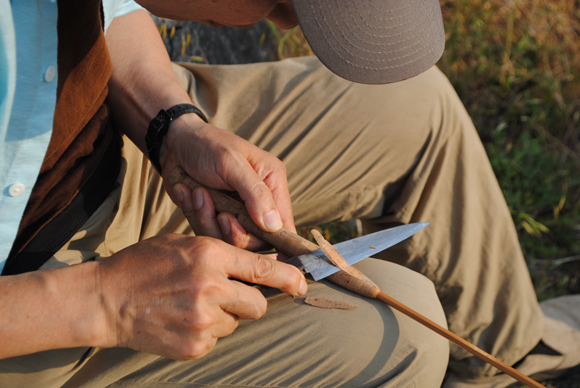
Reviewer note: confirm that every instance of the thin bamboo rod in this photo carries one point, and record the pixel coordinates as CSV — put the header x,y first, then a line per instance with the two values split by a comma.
x,y
459,341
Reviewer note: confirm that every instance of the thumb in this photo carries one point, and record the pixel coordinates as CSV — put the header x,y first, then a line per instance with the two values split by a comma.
x,y
258,199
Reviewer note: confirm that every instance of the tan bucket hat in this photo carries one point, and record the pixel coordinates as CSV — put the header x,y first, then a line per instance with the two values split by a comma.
x,y
373,41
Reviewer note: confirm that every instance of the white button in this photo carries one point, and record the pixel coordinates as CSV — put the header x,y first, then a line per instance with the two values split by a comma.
x,y
16,189
49,73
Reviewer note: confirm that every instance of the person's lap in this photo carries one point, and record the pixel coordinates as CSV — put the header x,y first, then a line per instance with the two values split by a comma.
x,y
295,344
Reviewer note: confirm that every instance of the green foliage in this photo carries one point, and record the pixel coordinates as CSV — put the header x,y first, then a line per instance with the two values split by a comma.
x,y
516,67
290,43
536,185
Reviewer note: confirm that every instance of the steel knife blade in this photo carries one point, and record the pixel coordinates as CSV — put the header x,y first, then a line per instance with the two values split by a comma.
x,y
355,250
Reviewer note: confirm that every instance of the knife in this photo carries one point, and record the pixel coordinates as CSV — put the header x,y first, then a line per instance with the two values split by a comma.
x,y
305,255
318,266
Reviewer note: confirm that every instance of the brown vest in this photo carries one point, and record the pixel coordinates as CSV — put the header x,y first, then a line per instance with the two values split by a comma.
x,y
81,128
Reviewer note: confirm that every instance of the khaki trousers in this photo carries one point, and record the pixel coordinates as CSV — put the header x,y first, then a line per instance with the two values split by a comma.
x,y
392,154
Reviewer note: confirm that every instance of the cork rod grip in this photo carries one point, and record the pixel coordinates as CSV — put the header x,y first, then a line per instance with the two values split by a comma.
x,y
283,240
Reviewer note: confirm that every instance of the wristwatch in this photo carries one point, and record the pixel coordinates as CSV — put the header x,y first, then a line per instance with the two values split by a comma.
x,y
159,126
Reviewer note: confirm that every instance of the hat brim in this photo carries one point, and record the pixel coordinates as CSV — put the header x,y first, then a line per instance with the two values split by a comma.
x,y
373,41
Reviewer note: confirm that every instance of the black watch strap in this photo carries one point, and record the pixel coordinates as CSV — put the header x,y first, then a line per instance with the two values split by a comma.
x,y
159,126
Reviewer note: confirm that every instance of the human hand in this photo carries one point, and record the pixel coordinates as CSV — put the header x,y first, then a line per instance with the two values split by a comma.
x,y
221,160
174,295
202,206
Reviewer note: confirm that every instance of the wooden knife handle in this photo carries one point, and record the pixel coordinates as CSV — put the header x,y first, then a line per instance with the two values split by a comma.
x,y
283,240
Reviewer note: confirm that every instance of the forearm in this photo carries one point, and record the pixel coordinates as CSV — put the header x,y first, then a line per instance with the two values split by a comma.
x,y
143,81
51,309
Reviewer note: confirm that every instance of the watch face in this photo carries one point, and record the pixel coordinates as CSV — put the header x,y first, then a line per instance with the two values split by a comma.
x,y
158,124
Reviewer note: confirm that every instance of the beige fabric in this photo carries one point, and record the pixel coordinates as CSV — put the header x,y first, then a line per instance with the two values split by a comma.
x,y
297,345
350,148
558,355
391,154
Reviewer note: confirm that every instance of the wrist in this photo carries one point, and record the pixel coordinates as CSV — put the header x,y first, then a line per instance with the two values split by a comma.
x,y
182,130
51,309
106,330
74,296
159,128
91,327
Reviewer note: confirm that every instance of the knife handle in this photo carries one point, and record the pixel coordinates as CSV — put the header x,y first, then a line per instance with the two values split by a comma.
x,y
283,240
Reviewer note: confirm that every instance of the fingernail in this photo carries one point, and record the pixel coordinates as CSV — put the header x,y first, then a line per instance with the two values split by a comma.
x,y
179,192
224,224
303,287
197,199
272,221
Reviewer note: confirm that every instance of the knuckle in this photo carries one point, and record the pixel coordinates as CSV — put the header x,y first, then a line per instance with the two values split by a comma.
x,y
260,309
291,279
234,326
202,289
201,323
272,166
264,267
198,322
188,212
195,349
205,248
261,193
280,165
240,240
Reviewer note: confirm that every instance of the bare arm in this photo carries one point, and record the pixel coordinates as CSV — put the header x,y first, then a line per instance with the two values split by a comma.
x,y
143,82
49,310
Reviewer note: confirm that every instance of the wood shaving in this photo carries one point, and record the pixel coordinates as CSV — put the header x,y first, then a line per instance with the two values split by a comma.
x,y
335,257
329,304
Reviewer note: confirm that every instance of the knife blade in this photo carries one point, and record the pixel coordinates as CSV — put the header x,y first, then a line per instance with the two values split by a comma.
x,y
318,266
